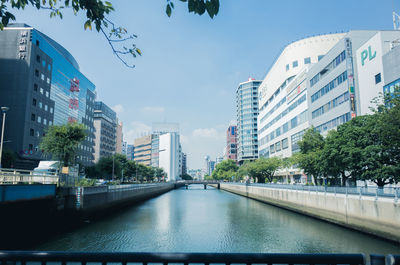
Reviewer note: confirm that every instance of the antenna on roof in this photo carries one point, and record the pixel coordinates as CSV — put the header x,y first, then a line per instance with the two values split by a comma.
x,y
396,19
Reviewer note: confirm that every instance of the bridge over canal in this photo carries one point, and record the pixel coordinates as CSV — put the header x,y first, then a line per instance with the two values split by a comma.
x,y
203,182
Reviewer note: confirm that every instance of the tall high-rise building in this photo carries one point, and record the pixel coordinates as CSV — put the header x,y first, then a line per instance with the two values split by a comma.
x,y
124,148
169,155
159,128
47,88
119,138
105,123
143,151
231,143
130,150
184,163
246,113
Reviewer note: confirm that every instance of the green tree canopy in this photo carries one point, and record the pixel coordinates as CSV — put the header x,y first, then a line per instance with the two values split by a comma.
x,y
61,141
225,170
262,169
311,147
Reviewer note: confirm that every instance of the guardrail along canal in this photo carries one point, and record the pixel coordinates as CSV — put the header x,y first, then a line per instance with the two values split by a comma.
x,y
198,220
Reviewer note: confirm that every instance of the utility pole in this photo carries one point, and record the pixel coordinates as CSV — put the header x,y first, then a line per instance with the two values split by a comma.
x,y
112,174
4,110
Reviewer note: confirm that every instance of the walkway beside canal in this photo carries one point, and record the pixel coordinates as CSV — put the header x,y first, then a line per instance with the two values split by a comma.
x,y
380,217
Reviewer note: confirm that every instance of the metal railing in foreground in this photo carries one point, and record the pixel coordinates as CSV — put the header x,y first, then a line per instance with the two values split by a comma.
x,y
44,257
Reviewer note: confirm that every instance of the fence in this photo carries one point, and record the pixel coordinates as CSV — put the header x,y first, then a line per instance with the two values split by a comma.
x,y
386,192
104,258
16,176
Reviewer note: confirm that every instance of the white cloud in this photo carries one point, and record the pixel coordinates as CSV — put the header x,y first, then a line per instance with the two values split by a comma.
x,y
134,130
118,108
153,109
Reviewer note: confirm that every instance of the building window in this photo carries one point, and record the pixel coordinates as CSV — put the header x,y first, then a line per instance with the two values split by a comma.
x,y
34,102
44,63
36,72
35,87
272,149
37,134
51,110
31,132
38,58
307,60
320,57
278,146
287,67
378,78
33,117
44,121
47,94
41,90
39,119
42,76
37,43
295,64
48,80
285,143
46,107
30,147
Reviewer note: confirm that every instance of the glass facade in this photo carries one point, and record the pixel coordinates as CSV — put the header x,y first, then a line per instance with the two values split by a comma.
x,y
247,111
71,91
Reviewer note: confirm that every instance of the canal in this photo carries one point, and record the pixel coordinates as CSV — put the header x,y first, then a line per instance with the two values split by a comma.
x,y
198,220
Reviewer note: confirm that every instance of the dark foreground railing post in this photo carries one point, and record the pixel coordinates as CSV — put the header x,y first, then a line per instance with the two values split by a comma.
x,y
377,259
105,258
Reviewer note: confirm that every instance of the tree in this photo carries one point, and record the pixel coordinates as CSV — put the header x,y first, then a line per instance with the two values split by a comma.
x,y
262,169
343,150
381,163
309,159
225,170
8,159
61,141
186,177
97,11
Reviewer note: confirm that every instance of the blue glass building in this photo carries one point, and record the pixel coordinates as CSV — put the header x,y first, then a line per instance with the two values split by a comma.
x,y
46,88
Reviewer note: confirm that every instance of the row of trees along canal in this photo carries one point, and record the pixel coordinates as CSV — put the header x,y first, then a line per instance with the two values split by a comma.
x,y
365,148
61,143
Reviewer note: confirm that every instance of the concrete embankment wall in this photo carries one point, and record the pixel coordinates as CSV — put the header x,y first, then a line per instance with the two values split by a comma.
x,y
93,200
380,217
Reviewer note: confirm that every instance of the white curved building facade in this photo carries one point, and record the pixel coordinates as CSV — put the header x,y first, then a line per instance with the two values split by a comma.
x,y
283,104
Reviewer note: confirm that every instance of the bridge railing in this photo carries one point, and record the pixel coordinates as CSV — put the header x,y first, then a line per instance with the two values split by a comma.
x,y
15,176
82,258
386,192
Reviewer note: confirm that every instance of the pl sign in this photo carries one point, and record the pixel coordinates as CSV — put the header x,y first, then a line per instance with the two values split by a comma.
x,y
367,54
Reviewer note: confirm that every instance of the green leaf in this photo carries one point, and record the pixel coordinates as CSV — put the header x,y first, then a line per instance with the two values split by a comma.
x,y
168,10
88,24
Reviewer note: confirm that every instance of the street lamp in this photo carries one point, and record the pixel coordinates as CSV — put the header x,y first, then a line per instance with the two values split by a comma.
x,y
4,111
112,175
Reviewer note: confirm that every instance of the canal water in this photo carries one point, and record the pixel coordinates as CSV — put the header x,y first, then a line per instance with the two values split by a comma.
x,y
198,220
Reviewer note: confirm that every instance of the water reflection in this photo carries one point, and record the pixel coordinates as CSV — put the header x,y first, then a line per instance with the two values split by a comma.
x,y
198,220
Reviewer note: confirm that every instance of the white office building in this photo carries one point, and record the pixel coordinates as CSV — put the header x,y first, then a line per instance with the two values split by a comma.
x,y
169,155
283,106
345,81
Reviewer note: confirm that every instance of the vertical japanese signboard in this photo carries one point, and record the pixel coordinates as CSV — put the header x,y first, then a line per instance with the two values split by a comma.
x,y
73,100
350,77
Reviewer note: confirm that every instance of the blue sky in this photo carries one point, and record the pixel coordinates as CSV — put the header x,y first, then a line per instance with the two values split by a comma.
x,y
191,65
